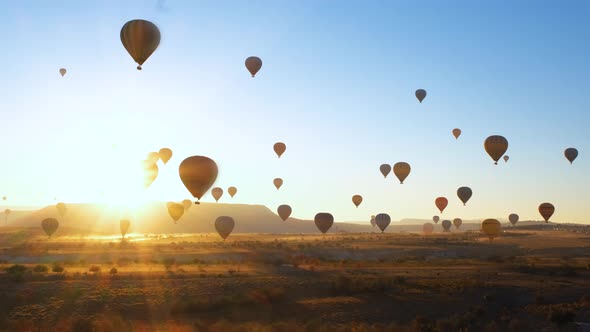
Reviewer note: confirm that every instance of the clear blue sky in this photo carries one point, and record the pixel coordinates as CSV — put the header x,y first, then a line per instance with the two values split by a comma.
x,y
337,86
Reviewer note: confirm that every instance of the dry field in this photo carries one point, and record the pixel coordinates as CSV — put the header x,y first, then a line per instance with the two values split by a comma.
x,y
535,280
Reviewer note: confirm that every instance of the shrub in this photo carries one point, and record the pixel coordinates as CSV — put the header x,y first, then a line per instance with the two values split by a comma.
x,y
561,317
16,269
113,270
40,269
57,268
94,269
169,262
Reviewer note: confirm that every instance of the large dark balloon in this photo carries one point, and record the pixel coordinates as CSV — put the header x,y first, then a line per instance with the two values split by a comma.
x,y
284,211
323,221
49,225
224,226
140,38
382,220
546,210
464,194
420,94
198,174
571,154
496,146
253,64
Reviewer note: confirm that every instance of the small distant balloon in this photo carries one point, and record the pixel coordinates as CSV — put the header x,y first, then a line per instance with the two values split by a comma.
x,y
357,200
124,226
165,154
150,173
253,64
436,219
62,209
464,194
456,133
496,146
62,72
546,210
427,228
385,169
571,154
198,174
232,191
506,158
176,211
279,148
323,221
513,218
441,203
217,193
373,221
491,228
457,222
4,198
382,220
49,226
140,38
420,94
187,204
153,157
401,171
224,226
278,182
446,225
284,211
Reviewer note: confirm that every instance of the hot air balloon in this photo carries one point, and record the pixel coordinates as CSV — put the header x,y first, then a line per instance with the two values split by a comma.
x,y
198,174
169,204
140,38
278,182
49,225
6,214
546,210
496,146
464,194
385,170
217,193
373,221
456,133
382,220
187,203
513,218
506,158
571,154
323,221
165,154
279,148
436,219
441,203
62,72
357,200
61,209
401,170
457,222
446,225
491,228
153,157
284,211
176,211
420,94
4,198
253,64
232,191
150,173
427,228
124,226
224,226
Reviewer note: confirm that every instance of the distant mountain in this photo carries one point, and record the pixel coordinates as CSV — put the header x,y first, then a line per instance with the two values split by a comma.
x,y
154,218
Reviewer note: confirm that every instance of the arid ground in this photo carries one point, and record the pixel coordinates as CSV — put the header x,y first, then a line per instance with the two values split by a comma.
x,y
526,280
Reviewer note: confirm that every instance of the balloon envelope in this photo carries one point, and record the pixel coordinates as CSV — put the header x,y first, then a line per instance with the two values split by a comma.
x,y
436,219
232,191
278,182
491,228
464,194
457,222
357,200
571,154
446,225
496,146
427,228
441,203
224,226
198,174
513,218
373,221
49,226
506,158
385,169
420,94
140,38
124,226
284,211
253,64
62,209
279,148
187,204
456,133
176,211
401,171
150,173
62,71
153,157
217,193
323,221
382,220
546,210
165,154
